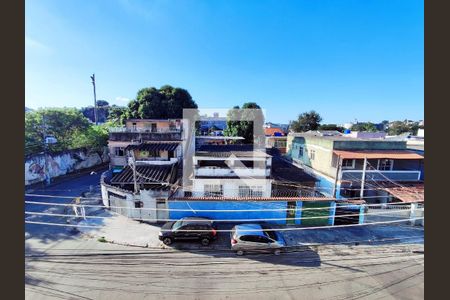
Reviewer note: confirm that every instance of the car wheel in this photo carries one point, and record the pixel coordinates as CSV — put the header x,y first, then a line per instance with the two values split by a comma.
x,y
205,242
240,252
277,252
167,241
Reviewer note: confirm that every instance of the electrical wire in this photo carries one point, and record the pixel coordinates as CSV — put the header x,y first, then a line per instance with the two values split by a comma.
x,y
249,230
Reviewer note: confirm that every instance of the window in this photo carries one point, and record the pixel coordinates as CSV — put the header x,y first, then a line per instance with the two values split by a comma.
x,y
312,154
213,190
263,239
250,191
134,126
300,152
348,164
280,144
119,151
385,164
250,238
138,204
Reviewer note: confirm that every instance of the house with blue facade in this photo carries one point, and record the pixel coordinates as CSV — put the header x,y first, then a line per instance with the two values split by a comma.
x,y
348,167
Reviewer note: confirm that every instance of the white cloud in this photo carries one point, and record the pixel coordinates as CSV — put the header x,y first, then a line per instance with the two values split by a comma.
x,y
36,45
122,99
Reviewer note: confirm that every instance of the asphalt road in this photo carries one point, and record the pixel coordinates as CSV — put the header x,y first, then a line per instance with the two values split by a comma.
x,y
75,268
73,187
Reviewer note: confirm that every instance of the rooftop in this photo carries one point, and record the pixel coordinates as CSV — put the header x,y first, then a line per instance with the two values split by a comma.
x,y
340,138
378,154
408,194
225,151
156,146
283,171
151,174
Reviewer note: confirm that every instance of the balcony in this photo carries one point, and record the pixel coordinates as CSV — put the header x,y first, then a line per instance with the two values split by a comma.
x,y
144,130
156,161
145,134
376,175
225,172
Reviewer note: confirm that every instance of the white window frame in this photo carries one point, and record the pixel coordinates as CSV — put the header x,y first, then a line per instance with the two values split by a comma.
x,y
312,154
250,191
348,167
213,190
117,149
380,164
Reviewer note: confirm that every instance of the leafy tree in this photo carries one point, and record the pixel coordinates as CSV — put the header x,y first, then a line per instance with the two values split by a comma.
x,y
164,103
245,128
331,127
95,138
399,127
116,115
62,123
306,121
102,111
101,103
369,127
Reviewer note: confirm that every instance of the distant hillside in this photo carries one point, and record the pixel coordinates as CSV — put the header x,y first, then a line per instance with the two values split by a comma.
x,y
27,109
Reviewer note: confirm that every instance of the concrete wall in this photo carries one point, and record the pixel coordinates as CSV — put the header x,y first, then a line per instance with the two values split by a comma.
x,y
227,205
230,187
61,164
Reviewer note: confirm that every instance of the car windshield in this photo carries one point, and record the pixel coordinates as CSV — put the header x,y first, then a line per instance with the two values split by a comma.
x,y
177,225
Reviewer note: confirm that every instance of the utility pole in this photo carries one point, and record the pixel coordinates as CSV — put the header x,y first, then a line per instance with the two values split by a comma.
x,y
44,132
134,172
95,100
338,168
361,194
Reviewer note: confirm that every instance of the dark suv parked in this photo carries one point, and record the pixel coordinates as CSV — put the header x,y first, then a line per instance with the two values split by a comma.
x,y
188,229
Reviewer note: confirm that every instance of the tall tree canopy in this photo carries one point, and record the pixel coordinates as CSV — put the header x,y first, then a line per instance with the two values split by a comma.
x,y
367,126
245,128
399,127
306,121
68,125
331,127
164,103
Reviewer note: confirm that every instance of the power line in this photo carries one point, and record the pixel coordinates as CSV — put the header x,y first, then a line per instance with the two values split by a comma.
x,y
222,197
206,210
249,230
220,220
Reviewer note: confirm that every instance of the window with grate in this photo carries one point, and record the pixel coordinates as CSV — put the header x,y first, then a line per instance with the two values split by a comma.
x,y
213,190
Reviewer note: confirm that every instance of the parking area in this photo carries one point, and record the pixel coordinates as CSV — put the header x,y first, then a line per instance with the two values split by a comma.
x,y
124,231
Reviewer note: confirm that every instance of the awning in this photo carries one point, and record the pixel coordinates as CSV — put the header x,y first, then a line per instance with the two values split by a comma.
x,y
408,194
153,147
378,154
146,174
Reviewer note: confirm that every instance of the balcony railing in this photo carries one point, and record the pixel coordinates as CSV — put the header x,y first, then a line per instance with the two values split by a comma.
x,y
371,175
144,130
213,172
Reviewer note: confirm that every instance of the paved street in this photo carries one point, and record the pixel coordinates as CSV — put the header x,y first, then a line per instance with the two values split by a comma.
x,y
76,268
60,265
71,187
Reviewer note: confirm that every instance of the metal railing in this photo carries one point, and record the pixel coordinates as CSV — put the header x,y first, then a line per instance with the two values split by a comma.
x,y
144,130
377,175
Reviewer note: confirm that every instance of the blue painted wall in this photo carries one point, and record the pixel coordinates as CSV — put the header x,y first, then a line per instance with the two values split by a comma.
x,y
237,205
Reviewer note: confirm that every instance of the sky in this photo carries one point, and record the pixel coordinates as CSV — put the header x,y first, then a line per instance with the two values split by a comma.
x,y
346,59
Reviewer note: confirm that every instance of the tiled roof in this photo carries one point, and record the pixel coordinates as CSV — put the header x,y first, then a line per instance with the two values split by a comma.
x,y
227,150
153,146
272,130
146,174
413,193
374,154
283,171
